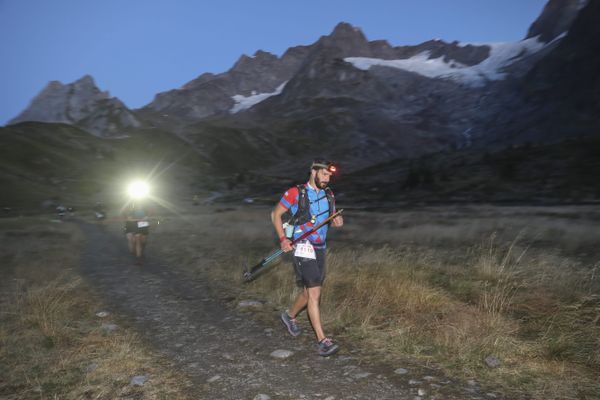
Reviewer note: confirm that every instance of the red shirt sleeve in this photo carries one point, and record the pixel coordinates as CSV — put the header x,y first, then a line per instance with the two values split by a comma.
x,y
289,198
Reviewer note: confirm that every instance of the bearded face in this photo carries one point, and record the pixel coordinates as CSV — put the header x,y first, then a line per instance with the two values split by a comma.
x,y
322,177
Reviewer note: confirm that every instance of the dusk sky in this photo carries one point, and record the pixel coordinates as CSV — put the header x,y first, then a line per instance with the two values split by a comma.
x,y
136,49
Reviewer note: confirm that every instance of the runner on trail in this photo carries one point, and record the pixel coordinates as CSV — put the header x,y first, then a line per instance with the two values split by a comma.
x,y
137,228
308,204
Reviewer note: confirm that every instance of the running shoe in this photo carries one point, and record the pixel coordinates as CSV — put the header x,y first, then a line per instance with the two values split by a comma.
x,y
291,324
327,347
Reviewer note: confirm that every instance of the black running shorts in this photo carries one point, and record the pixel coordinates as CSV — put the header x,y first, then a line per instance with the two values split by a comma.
x,y
310,272
130,227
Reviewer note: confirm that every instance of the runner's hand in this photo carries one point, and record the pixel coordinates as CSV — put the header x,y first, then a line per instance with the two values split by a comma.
x,y
337,221
286,245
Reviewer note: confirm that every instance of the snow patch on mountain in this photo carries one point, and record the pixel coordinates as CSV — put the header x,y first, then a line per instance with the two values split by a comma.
x,y
245,102
501,56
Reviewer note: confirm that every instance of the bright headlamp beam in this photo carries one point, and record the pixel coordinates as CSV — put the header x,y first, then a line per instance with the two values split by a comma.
x,y
138,189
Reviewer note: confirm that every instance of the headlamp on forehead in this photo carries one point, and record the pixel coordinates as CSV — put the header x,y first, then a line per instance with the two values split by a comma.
x,y
328,165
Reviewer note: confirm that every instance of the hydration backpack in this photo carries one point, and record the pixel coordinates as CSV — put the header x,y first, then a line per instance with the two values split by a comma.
x,y
303,215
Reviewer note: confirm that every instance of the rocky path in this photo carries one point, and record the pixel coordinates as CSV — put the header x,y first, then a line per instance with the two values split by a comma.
x,y
227,352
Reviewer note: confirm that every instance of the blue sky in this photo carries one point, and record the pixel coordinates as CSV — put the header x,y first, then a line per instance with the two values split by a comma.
x,y
138,48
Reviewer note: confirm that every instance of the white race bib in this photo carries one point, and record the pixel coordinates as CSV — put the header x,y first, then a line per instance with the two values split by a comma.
x,y
143,224
305,250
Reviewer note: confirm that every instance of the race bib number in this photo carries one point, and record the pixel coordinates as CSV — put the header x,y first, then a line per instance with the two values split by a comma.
x,y
305,250
143,224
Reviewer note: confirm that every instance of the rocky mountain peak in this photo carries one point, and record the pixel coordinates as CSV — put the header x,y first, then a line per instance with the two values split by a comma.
x,y
261,54
79,103
250,63
346,39
555,19
53,85
344,30
570,73
86,80
48,90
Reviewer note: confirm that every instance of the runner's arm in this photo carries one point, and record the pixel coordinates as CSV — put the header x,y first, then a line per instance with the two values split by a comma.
x,y
286,244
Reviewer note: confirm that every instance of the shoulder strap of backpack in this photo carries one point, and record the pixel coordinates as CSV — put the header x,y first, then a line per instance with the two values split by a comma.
x,y
330,200
301,194
302,202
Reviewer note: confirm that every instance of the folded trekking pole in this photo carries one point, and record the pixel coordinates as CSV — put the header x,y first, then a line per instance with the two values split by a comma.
x,y
251,273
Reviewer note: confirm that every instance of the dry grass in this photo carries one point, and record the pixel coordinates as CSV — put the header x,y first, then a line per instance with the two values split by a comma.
x,y
448,286
51,344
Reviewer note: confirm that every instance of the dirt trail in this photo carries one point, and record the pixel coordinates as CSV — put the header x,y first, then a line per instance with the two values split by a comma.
x,y
223,350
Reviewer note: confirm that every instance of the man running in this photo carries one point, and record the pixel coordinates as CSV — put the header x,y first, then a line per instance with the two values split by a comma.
x,y
309,204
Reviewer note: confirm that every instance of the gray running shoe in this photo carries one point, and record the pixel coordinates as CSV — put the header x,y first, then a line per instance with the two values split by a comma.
x,y
327,347
291,324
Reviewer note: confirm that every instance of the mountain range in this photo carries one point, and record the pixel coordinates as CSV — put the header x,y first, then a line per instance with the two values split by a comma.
x,y
365,103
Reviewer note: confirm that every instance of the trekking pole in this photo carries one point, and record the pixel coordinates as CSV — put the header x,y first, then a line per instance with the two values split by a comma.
x,y
251,273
